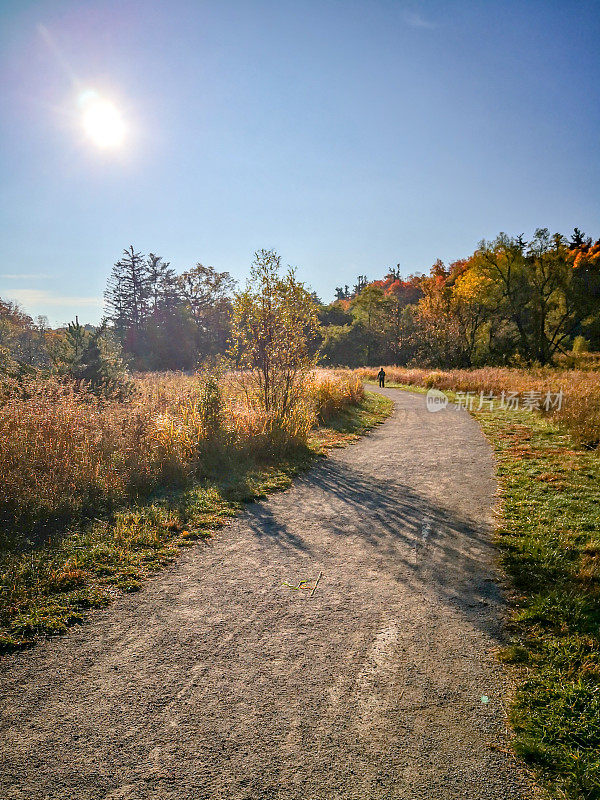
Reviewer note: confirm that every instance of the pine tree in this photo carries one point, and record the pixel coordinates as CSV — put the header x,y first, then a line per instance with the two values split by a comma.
x,y
76,336
101,365
578,239
128,293
360,284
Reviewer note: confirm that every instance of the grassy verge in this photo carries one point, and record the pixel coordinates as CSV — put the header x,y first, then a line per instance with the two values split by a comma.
x,y
46,589
549,536
549,540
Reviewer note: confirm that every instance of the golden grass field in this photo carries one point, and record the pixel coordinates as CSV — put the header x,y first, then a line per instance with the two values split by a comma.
x,y
66,451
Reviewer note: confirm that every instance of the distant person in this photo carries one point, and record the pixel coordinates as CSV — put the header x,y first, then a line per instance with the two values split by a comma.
x,y
381,377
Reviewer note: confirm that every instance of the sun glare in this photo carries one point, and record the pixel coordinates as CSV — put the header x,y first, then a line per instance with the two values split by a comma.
x,y
101,120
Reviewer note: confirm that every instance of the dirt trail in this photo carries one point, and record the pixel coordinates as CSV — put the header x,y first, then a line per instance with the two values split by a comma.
x,y
215,681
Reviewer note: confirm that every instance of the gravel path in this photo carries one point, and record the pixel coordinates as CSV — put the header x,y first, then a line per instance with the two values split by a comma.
x,y
216,681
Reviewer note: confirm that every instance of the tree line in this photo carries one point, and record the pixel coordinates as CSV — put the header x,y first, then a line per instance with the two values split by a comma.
x,y
512,301
163,320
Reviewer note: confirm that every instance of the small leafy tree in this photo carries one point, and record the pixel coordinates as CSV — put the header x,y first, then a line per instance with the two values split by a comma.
x,y
207,295
275,322
23,342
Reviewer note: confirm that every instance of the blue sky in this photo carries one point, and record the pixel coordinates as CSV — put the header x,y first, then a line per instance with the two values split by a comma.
x,y
347,135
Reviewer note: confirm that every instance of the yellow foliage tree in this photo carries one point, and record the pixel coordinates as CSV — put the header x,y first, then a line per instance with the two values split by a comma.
x,y
274,327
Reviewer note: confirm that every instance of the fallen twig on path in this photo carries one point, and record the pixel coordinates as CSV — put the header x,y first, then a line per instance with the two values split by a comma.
x,y
316,584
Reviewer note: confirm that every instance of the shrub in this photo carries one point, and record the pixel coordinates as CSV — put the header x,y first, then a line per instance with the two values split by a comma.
x,y
433,379
580,345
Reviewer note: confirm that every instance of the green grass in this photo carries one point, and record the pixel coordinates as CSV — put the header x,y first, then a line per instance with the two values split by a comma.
x,y
549,538
46,589
353,422
406,387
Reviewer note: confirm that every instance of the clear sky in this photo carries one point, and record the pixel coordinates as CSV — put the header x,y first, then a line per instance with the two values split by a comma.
x,y
349,136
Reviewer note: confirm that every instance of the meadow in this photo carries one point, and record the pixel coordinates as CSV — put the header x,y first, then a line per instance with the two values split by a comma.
x,y
97,493
67,451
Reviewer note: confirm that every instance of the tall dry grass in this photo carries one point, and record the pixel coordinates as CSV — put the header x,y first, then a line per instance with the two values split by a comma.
x,y
333,390
580,407
67,452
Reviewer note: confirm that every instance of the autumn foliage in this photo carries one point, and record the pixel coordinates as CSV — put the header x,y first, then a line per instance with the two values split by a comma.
x,y
510,302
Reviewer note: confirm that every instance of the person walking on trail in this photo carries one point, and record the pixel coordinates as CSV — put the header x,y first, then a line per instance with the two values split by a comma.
x,y
381,377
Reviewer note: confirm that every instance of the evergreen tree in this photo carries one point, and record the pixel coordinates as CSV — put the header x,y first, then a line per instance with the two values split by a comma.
x,y
394,273
578,239
342,292
101,366
360,284
75,339
127,296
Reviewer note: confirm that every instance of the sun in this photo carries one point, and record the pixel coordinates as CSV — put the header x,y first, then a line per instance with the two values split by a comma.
x,y
101,120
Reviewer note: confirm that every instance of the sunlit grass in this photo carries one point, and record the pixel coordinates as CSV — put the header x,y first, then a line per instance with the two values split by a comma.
x,y
67,453
203,479
549,536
